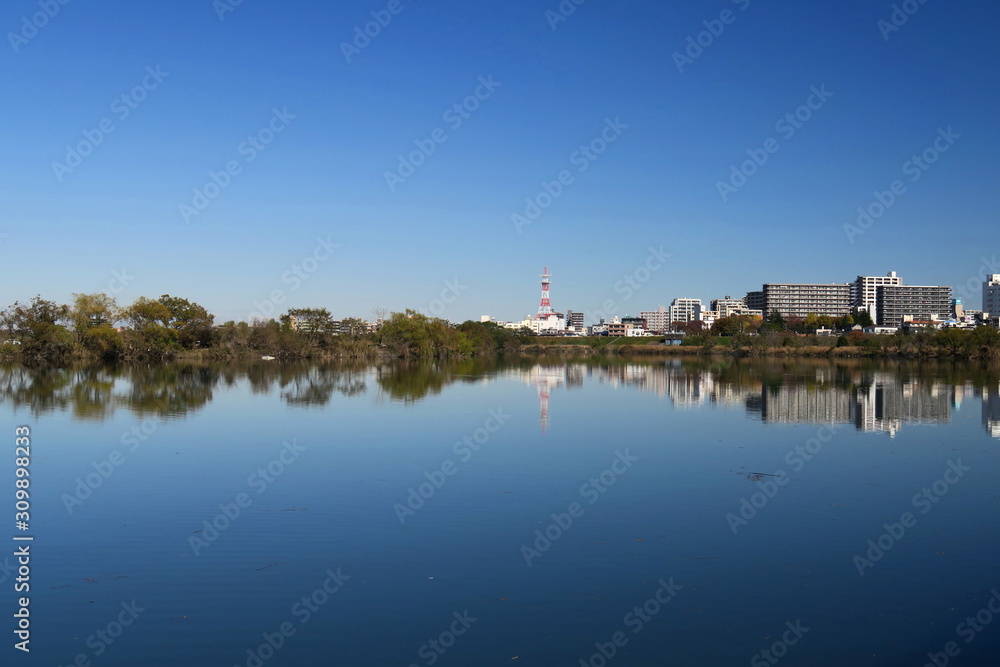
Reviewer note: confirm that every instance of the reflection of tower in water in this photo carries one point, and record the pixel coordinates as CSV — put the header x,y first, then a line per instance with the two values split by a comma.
x,y
545,380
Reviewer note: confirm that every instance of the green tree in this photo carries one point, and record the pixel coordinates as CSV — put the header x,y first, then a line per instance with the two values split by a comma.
x,y
774,322
984,341
862,318
148,333
144,313
413,334
844,322
39,326
191,322
92,310
735,325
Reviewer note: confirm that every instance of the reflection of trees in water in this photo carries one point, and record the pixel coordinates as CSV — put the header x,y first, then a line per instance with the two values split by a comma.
x,y
40,390
412,380
86,391
91,390
315,385
94,392
168,390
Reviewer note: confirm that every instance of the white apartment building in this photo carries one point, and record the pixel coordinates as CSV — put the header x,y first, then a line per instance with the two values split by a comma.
x,y
728,306
864,291
686,310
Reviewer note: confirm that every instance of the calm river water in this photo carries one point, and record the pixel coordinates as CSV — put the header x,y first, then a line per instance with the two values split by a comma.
x,y
519,513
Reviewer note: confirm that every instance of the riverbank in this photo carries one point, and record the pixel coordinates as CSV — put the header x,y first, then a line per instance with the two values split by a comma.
x,y
980,344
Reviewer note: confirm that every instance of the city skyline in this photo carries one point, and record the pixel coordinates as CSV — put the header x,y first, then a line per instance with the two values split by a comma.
x,y
277,302
211,158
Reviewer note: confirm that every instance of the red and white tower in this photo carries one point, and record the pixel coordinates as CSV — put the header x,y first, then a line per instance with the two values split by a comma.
x,y
545,307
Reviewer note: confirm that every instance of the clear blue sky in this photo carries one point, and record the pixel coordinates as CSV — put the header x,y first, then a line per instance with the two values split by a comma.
x,y
323,175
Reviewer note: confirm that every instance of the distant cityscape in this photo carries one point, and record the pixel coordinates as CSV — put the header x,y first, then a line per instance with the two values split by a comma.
x,y
890,305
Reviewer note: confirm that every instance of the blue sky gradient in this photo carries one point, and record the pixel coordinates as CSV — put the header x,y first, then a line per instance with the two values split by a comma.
x,y
323,175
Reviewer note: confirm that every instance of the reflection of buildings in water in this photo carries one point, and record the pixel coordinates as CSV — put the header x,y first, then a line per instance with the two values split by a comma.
x,y
991,410
645,378
575,375
961,392
686,387
805,403
883,404
733,394
873,401
888,403
689,389
870,411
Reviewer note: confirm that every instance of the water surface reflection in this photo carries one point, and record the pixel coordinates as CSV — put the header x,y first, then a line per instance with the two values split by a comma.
x,y
880,396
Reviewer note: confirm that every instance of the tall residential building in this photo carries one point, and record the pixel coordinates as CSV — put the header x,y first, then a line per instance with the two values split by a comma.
x,y
656,320
864,291
728,306
919,302
755,300
991,294
573,319
685,310
799,300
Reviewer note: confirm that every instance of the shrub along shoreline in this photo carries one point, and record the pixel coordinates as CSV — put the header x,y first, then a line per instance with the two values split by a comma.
x,y
175,328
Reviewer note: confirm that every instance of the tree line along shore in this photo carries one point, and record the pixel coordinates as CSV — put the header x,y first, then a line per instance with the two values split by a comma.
x,y
94,327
